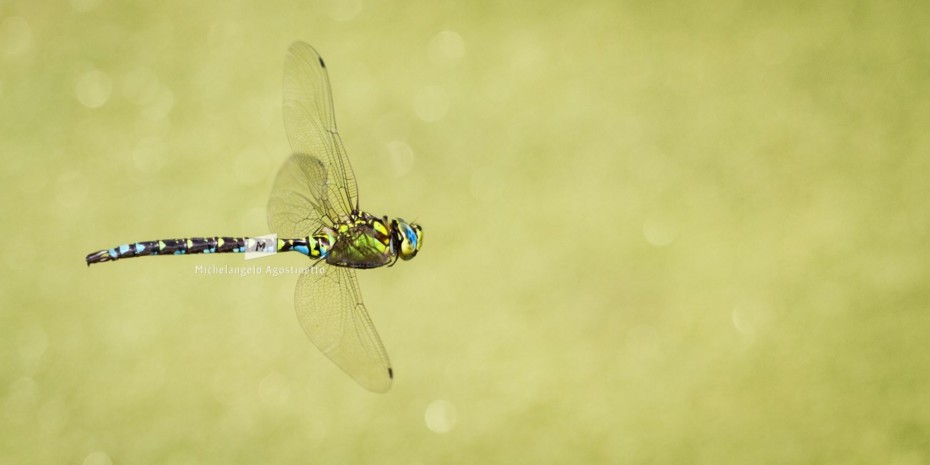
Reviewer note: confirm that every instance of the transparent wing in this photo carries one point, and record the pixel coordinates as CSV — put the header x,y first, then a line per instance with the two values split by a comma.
x,y
311,123
299,202
330,309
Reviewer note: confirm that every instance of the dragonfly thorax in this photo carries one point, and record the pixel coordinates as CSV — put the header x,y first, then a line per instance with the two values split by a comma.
x,y
363,240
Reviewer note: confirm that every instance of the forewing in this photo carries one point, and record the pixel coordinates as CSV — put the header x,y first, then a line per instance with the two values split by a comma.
x,y
330,309
311,123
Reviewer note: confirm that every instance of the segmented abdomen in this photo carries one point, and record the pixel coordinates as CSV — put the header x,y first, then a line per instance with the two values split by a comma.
x,y
315,247
193,245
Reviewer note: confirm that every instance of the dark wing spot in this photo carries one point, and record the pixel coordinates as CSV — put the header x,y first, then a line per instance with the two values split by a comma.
x,y
391,373
321,62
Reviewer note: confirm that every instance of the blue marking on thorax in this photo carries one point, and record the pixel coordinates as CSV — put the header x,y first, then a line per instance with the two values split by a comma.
x,y
123,249
303,249
113,253
139,248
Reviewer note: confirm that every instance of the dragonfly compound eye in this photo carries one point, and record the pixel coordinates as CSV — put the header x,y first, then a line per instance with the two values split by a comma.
x,y
410,236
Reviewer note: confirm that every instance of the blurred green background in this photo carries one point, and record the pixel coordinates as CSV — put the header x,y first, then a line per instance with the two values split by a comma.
x,y
655,232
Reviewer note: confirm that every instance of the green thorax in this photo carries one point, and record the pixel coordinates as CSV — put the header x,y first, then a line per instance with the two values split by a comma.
x,y
361,241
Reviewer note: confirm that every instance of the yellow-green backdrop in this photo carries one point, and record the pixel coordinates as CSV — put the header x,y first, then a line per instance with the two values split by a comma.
x,y
655,232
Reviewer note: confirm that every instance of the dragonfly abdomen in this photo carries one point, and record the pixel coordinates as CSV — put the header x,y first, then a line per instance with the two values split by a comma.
x,y
193,245
317,246
310,247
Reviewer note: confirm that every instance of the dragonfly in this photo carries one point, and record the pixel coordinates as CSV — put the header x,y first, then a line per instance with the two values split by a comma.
x,y
314,211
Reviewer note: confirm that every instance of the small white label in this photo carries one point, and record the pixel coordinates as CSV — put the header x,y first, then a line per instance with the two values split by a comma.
x,y
261,246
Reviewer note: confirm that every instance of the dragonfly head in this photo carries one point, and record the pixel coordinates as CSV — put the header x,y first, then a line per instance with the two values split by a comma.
x,y
407,238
